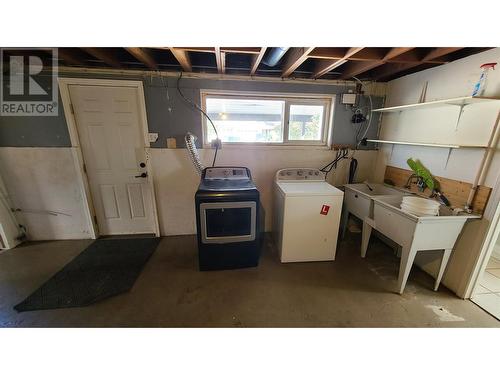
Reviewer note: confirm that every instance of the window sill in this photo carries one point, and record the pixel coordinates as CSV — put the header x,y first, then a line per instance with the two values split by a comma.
x,y
267,146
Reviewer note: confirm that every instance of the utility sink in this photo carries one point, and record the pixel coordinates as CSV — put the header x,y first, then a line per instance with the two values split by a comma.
x,y
358,200
414,233
373,189
379,206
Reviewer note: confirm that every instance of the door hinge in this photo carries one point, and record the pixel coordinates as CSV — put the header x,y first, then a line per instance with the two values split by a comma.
x,y
84,168
71,108
95,219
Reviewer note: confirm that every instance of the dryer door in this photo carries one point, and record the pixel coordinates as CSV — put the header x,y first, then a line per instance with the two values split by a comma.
x,y
223,222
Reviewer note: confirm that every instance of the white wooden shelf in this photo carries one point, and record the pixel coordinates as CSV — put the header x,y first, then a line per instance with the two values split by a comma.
x,y
461,102
424,144
450,147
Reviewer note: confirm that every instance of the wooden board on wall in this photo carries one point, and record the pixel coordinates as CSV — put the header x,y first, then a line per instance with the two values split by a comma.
x,y
456,191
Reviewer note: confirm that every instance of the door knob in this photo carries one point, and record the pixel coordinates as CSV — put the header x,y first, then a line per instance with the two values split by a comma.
x,y
142,175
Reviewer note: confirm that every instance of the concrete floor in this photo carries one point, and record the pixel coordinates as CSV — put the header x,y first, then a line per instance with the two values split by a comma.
x,y
171,292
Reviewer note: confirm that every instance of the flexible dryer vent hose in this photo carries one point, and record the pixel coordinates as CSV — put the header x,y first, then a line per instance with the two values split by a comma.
x,y
193,152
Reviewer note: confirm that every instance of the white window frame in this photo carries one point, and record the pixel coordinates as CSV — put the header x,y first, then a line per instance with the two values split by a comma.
x,y
290,99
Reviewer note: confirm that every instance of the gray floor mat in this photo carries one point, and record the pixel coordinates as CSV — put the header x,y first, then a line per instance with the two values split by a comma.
x,y
106,268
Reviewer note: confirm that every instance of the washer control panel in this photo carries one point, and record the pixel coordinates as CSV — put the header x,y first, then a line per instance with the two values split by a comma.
x,y
226,173
300,174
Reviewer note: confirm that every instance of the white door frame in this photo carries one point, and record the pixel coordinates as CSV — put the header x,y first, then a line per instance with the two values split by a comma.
x,y
492,213
64,84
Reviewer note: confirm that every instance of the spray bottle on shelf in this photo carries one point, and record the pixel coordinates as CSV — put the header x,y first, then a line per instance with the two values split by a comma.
x,y
480,86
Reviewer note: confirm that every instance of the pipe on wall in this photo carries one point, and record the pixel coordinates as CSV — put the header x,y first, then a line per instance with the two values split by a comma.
x,y
485,162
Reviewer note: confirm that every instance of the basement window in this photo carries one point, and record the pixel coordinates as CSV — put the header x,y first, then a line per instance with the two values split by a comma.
x,y
267,119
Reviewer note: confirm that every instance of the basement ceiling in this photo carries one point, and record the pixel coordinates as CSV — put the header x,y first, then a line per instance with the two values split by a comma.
x,y
323,63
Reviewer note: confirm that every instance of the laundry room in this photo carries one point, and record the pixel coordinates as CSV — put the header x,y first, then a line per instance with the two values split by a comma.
x,y
200,186
277,132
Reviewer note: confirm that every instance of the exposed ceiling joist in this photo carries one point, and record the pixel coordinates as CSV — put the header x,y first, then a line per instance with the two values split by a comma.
x,y
294,58
104,55
358,67
328,53
380,63
397,51
394,68
326,66
144,56
182,57
246,50
367,54
220,58
438,52
412,56
223,62
256,60
193,49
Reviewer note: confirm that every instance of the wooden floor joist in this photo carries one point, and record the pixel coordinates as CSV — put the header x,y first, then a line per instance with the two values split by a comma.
x,y
144,56
294,58
104,55
327,66
256,60
220,58
392,69
358,67
372,63
182,57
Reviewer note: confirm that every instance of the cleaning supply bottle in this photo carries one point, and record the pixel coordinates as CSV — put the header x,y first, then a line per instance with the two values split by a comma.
x,y
480,86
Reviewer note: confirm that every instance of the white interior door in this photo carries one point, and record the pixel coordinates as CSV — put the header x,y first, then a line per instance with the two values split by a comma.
x,y
113,145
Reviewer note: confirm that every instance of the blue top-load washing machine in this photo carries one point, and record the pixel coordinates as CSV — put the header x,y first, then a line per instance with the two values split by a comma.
x,y
228,219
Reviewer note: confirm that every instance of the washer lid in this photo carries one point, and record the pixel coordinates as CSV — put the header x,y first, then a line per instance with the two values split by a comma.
x,y
308,188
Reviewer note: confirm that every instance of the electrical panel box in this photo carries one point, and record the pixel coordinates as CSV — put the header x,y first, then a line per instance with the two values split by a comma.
x,y
349,98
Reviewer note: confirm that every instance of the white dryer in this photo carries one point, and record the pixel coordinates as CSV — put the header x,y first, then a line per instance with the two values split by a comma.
x,y
306,215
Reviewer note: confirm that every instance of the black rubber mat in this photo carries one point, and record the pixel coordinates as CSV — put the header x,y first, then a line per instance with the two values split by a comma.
x,y
106,268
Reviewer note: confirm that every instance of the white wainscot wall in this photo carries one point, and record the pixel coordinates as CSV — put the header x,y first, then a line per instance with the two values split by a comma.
x,y
45,179
176,180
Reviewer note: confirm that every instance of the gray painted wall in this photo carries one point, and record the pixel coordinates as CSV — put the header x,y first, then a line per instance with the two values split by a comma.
x,y
35,131
170,116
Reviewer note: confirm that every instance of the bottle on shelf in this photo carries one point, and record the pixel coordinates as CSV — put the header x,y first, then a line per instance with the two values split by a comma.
x,y
480,86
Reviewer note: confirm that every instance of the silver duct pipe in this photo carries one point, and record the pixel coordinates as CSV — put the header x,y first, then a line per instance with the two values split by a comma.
x,y
193,152
274,55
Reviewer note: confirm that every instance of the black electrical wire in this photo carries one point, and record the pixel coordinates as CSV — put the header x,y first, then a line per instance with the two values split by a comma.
x,y
341,154
197,107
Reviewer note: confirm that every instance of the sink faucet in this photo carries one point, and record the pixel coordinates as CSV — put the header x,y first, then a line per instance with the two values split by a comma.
x,y
419,182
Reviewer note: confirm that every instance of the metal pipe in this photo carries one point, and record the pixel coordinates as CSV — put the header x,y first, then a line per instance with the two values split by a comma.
x,y
485,163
